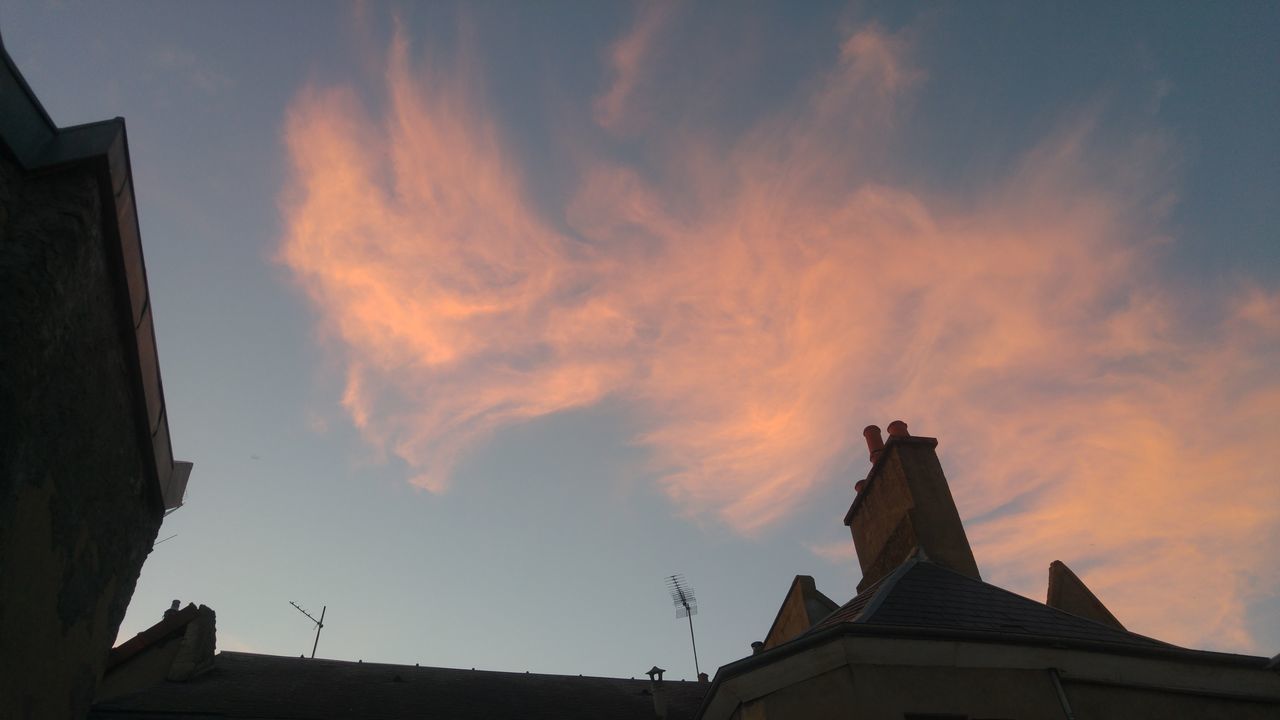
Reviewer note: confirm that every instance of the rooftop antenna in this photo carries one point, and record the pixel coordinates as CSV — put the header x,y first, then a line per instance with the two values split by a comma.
x,y
686,607
319,624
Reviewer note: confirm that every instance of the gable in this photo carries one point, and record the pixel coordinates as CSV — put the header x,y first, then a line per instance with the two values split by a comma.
x,y
801,609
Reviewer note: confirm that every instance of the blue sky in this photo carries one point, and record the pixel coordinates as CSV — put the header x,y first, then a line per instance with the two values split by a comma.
x,y
630,279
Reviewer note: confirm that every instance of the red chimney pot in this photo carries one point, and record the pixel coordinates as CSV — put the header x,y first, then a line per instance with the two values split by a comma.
x,y
874,442
897,428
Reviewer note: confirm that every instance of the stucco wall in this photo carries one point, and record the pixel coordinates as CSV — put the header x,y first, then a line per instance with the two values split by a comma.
x,y
1103,701
870,692
886,678
76,516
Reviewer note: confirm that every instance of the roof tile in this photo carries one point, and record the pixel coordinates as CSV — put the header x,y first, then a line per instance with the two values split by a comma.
x,y
924,594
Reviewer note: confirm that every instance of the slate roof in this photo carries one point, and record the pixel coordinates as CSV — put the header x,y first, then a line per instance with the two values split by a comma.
x,y
923,594
247,685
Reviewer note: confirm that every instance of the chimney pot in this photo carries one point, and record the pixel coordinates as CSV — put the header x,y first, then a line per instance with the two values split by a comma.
x,y
857,487
757,647
875,444
916,511
702,677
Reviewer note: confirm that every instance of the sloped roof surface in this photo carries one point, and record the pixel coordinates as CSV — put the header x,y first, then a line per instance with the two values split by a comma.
x,y
172,624
245,685
924,594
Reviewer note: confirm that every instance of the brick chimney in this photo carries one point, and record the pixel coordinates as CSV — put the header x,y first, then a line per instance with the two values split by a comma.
x,y
905,504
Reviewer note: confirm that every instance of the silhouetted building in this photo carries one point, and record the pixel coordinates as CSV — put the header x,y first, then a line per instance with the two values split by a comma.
x,y
86,468
151,676
926,638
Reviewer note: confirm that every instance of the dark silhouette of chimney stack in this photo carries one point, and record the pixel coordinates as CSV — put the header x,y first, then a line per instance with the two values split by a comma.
x,y
905,505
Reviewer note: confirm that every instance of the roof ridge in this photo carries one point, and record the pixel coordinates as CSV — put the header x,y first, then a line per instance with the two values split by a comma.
x,y
884,587
360,663
1046,606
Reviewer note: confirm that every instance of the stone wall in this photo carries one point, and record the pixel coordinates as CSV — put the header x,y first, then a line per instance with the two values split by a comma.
x,y
77,517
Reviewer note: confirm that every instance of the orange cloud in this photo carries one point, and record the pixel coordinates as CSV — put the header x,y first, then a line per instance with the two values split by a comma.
x,y
756,307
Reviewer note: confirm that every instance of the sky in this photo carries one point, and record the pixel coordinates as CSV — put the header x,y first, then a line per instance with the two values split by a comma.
x,y
479,320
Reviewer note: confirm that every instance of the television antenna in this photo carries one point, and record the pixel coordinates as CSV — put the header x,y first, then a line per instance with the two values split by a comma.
x,y
686,607
319,624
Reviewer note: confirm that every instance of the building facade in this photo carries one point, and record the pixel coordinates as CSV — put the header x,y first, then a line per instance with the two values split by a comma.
x,y
926,639
86,466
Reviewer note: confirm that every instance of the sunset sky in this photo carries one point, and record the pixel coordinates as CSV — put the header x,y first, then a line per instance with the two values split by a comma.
x,y
479,320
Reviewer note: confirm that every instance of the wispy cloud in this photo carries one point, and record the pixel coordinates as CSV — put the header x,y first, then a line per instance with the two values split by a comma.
x,y
615,108
842,552
754,307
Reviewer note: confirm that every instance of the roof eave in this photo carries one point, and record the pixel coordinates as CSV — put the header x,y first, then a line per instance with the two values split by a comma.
x,y
807,642
102,147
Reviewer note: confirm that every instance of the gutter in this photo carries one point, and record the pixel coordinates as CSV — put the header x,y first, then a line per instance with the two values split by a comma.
x,y
1062,694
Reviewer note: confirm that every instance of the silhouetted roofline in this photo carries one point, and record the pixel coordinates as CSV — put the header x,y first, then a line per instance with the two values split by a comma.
x,y
836,632
161,631
244,684
860,621
31,138
863,608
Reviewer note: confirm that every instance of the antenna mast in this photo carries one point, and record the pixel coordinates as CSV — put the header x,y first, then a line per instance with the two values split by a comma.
x,y
319,624
686,606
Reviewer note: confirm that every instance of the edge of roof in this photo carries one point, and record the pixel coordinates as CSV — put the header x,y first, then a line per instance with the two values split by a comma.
x,y
915,559
38,145
835,632
166,628
238,654
799,580
882,588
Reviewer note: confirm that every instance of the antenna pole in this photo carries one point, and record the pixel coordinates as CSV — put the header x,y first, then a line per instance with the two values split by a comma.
x,y
320,626
686,606
695,646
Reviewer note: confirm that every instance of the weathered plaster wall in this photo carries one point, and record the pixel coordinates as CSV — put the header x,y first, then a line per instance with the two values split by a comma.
x,y
886,678
1120,703
76,516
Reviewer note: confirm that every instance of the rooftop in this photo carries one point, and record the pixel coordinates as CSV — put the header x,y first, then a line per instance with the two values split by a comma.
x,y
247,685
924,594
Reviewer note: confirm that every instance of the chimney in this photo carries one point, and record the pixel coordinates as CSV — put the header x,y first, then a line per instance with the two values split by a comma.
x,y
1067,592
659,693
875,445
905,504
